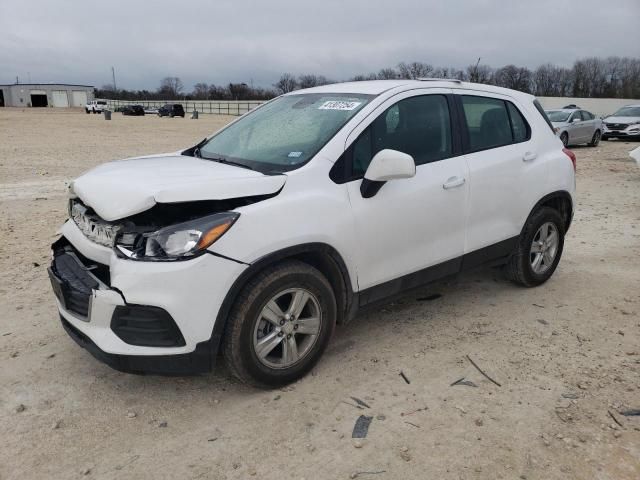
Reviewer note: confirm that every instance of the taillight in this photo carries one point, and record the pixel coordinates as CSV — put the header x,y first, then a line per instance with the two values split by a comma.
x,y
572,157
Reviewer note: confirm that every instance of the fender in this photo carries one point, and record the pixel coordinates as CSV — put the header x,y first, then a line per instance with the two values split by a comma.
x,y
553,199
340,281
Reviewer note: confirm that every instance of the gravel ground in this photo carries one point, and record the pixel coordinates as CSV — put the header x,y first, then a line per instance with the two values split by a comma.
x,y
567,354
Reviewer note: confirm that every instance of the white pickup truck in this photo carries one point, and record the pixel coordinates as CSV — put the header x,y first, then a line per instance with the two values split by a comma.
x,y
95,106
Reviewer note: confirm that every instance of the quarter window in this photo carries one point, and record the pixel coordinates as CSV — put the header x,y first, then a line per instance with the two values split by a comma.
x,y
419,126
492,122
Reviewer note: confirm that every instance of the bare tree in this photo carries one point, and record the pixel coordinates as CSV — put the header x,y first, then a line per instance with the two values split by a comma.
x,y
387,74
414,70
312,80
287,83
171,87
200,91
479,73
516,78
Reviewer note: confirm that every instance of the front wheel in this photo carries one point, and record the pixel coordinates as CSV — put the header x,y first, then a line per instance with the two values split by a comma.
x,y
595,140
280,325
539,249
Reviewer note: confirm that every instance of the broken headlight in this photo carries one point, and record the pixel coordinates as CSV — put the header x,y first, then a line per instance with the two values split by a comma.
x,y
176,242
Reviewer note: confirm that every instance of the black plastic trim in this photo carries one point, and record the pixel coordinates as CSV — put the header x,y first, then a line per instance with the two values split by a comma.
x,y
201,360
270,259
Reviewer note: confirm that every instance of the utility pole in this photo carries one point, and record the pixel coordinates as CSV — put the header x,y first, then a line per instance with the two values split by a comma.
x,y
113,73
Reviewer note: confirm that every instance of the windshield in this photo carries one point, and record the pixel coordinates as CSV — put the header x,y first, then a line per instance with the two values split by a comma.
x,y
627,112
558,115
284,133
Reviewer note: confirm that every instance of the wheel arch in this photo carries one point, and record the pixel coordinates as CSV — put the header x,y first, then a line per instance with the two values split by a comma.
x,y
559,200
319,255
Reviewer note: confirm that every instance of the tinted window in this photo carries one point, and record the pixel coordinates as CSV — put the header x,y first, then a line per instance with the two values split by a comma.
x,y
518,124
587,115
418,126
576,115
492,122
488,122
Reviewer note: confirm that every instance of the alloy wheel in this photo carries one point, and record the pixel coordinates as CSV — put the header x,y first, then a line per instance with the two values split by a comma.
x,y
544,248
287,328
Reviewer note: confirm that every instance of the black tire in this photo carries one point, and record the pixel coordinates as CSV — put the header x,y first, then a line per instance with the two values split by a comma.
x,y
518,268
595,140
86,110
564,138
238,342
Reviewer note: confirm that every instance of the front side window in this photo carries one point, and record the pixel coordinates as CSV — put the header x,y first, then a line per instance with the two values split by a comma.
x,y
576,115
492,122
285,133
419,126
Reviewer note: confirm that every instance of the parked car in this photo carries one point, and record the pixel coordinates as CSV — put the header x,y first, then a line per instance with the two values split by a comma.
x,y
259,239
575,126
95,106
133,110
625,123
171,110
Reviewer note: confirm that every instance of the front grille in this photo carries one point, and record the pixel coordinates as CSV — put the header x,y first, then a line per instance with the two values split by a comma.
x,y
92,226
616,126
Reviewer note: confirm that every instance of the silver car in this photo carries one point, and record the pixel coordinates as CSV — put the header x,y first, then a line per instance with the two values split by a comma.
x,y
575,126
625,123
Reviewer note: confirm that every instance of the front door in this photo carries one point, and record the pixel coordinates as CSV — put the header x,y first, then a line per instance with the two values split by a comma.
x,y
415,223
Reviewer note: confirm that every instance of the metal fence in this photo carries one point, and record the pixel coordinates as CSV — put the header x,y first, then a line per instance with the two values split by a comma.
x,y
215,107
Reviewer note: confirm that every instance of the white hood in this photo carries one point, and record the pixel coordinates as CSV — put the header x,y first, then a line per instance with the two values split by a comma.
x,y
126,187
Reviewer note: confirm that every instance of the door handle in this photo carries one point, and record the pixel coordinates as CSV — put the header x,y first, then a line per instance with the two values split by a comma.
x,y
529,156
453,182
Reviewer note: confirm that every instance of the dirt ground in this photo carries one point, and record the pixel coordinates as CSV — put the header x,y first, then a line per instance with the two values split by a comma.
x,y
567,354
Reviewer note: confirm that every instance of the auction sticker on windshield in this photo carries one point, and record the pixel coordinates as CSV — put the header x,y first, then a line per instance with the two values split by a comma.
x,y
339,105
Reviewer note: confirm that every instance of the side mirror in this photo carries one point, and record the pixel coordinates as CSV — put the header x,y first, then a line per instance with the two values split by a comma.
x,y
386,165
576,120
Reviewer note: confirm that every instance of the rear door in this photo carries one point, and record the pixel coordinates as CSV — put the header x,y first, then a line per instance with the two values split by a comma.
x,y
503,168
415,223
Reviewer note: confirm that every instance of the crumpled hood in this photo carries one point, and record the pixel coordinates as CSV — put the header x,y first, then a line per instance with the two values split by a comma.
x,y
625,120
125,187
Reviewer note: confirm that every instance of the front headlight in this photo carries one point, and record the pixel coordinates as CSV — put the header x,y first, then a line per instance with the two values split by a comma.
x,y
176,242
634,126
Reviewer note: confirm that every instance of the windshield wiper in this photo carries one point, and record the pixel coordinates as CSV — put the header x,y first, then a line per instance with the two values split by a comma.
x,y
226,161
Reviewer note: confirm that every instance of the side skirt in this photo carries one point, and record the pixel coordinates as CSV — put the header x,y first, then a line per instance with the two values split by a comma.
x,y
493,254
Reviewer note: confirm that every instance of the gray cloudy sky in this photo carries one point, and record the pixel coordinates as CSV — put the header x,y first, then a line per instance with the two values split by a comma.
x,y
217,41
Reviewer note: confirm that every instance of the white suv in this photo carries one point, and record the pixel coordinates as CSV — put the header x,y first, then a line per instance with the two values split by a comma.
x,y
258,240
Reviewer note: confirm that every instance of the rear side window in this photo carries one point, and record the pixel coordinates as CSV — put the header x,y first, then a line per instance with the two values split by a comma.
x,y
519,127
492,122
419,126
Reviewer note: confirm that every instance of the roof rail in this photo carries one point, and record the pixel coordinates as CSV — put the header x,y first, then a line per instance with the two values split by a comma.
x,y
429,79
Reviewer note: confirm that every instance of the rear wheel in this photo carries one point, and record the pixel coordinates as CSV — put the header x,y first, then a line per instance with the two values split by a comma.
x,y
539,249
595,140
280,325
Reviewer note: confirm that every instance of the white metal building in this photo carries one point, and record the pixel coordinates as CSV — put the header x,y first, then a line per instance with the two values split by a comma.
x,y
59,95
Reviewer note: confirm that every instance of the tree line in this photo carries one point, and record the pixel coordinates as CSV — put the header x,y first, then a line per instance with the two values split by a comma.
x,y
612,77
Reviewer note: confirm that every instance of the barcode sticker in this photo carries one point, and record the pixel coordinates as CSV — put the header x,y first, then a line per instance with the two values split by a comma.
x,y
339,105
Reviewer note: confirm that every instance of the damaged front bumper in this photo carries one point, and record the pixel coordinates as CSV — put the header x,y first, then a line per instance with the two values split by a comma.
x,y
140,317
